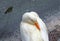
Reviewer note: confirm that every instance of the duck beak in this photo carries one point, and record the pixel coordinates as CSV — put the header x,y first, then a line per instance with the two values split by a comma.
x,y
37,25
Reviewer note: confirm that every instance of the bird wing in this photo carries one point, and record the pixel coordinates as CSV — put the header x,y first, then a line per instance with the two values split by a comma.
x,y
44,29
24,32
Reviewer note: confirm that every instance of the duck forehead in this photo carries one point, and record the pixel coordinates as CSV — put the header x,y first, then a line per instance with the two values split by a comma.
x,y
30,15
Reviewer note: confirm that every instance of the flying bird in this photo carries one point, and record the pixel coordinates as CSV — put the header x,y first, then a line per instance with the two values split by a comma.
x,y
9,9
32,28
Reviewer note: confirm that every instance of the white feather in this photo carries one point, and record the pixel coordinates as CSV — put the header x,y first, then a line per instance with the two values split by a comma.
x,y
29,32
44,30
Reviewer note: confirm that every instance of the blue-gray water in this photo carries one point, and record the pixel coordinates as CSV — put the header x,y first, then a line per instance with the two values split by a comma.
x,y
9,23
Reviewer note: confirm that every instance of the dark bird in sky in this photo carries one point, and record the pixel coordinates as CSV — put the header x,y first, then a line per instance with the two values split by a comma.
x,y
9,9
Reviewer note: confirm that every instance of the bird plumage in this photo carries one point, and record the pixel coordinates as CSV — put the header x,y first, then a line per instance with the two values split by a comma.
x,y
44,31
29,32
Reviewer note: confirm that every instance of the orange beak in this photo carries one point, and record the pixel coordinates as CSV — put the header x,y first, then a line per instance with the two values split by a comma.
x,y
37,25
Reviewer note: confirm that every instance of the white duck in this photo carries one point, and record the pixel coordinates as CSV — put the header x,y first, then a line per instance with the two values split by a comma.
x,y
32,28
